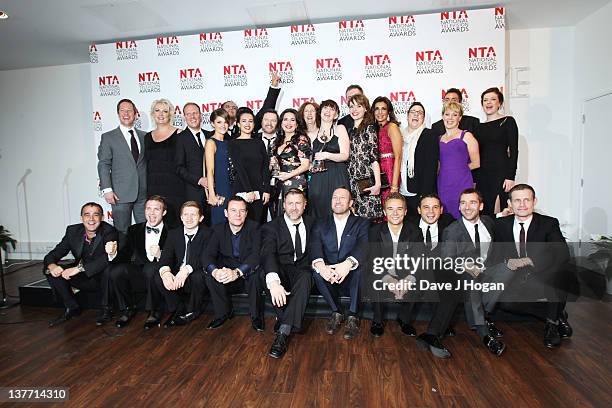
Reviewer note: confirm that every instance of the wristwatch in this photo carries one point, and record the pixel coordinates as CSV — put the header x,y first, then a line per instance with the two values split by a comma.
x,y
352,261
80,268
239,272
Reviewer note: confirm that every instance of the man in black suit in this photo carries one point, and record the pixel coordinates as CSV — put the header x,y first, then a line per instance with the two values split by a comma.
x,y
180,271
537,256
388,240
267,134
86,242
136,262
339,254
231,264
469,123
468,242
190,155
287,268
347,120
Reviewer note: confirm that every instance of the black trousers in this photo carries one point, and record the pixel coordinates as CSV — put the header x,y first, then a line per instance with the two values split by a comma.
x,y
63,287
297,281
220,294
124,280
189,298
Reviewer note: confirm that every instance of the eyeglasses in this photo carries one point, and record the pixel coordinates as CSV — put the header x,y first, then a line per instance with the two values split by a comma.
x,y
416,113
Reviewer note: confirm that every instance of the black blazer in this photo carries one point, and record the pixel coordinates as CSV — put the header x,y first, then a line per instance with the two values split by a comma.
x,y
278,250
469,123
457,241
174,248
132,246
190,163
95,260
381,244
426,157
219,251
354,241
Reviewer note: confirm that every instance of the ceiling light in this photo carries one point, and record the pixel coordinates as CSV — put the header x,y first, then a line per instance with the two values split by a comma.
x,y
3,15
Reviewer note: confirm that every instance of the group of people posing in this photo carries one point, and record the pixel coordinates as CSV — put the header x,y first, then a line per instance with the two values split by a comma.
x,y
286,202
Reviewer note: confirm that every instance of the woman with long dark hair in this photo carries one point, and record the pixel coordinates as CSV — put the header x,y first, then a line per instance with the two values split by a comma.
x,y
389,143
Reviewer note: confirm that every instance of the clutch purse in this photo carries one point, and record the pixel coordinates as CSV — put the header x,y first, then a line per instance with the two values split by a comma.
x,y
368,182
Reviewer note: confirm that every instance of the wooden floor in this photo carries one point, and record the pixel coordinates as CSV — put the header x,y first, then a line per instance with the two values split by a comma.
x,y
229,367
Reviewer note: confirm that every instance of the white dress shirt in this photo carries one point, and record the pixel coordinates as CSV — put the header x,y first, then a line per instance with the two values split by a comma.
x,y
151,238
433,231
483,233
516,231
340,224
273,275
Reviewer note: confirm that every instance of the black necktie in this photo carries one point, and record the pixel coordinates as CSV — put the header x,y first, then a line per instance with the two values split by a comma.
x,y
522,242
134,146
199,140
298,241
152,229
189,238
477,239
428,242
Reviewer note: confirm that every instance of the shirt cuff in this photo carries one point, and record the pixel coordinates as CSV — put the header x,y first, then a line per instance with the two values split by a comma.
x,y
272,277
189,269
106,190
163,270
355,261
316,261
245,269
111,257
275,87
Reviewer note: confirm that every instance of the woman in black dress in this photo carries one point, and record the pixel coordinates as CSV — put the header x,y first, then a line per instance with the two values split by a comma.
x,y
160,148
329,167
290,159
250,164
498,140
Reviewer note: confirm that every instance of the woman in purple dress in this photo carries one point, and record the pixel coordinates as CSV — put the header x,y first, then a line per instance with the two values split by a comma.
x,y
459,155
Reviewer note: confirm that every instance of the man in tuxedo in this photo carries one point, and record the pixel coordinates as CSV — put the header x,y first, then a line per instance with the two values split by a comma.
x,y
339,254
469,123
190,155
388,240
287,267
267,134
180,273
347,120
537,257
135,262
231,264
122,168
469,240
86,242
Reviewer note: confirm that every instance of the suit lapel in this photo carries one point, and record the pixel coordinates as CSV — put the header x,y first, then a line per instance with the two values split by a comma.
x,y
141,153
77,242
347,228
140,242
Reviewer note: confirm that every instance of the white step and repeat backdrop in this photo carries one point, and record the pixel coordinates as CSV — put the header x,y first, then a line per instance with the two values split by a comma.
x,y
406,58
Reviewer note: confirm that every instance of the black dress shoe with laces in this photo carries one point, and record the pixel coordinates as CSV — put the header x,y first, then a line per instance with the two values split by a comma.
x,y
494,331
495,346
279,347
64,317
406,328
216,323
258,324
377,329
154,320
105,315
125,318
430,342
564,328
551,335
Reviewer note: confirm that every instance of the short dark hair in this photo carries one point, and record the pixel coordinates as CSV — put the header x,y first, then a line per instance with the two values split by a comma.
x,y
519,187
269,110
413,104
296,191
343,187
92,204
396,196
456,91
239,199
127,101
430,195
219,113
158,198
243,110
354,86
193,204
472,190
494,90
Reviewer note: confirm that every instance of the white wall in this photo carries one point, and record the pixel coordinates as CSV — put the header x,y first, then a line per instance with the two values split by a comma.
x,y
46,127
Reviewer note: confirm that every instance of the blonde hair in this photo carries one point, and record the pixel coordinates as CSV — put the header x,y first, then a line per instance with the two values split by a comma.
x,y
167,103
454,106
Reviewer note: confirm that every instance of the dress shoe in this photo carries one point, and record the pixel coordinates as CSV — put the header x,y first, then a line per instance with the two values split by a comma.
x,y
450,332
351,330
104,316
564,328
185,319
125,318
495,346
494,331
64,317
216,323
173,320
279,347
377,329
333,323
551,335
153,320
406,328
257,323
429,341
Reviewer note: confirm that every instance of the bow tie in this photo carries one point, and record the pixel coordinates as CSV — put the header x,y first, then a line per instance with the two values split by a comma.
x,y
155,230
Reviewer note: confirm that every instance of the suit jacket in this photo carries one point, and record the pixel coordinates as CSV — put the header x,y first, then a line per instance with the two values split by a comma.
x,y
381,245
426,157
469,123
219,252
95,260
116,167
444,221
174,248
278,249
132,246
190,164
354,241
457,240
